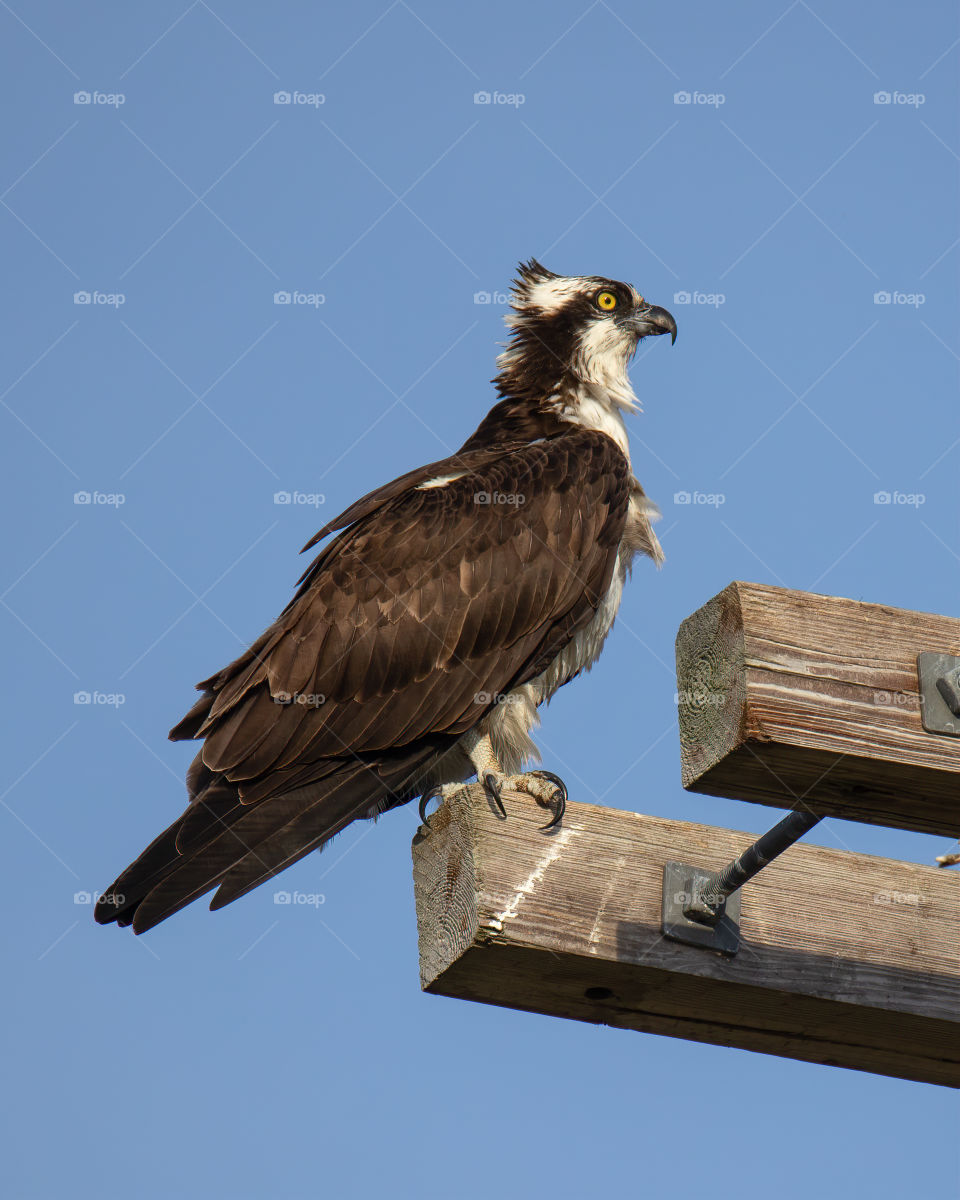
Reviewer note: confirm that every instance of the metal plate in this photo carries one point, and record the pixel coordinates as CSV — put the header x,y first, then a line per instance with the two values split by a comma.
x,y
934,710
679,880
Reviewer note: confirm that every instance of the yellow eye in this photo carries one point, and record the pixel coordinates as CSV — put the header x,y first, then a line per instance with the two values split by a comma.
x,y
607,301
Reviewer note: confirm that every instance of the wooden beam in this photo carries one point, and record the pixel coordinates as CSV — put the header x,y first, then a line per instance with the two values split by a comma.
x,y
789,696
846,959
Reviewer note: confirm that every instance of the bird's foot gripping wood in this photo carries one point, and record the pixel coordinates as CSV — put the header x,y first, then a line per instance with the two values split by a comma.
x,y
441,792
547,789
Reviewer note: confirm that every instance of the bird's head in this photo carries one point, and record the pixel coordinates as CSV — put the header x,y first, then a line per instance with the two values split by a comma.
x,y
575,331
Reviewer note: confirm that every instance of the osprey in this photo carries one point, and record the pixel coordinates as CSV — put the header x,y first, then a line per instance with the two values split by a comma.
x,y
424,637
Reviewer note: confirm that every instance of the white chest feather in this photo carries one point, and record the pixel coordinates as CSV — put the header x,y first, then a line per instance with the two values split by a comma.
x,y
598,402
509,724
582,651
590,410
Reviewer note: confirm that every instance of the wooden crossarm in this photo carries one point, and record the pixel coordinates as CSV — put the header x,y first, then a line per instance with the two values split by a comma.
x,y
845,959
787,696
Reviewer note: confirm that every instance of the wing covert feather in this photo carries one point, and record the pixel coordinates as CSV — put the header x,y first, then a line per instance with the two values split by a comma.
x,y
424,602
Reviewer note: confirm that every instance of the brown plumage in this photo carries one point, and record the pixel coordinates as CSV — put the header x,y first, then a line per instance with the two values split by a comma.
x,y
434,599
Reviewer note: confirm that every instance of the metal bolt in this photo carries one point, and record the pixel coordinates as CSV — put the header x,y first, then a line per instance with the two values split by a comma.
x,y
704,903
949,688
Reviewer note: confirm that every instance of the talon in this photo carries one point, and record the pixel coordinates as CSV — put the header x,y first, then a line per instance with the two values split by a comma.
x,y
492,785
561,801
425,800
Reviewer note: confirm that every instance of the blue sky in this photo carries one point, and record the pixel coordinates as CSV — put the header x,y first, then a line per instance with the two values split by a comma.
x,y
772,177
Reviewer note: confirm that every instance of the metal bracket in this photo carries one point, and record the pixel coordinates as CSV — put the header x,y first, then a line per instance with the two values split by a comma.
x,y
939,676
682,885
702,907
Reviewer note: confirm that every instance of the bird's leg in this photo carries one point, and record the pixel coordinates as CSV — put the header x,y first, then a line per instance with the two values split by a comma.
x,y
546,788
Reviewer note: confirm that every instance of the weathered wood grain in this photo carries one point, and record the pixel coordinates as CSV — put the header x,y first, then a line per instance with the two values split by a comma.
x,y
846,959
790,697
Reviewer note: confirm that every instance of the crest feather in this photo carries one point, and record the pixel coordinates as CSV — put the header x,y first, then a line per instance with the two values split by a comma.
x,y
529,274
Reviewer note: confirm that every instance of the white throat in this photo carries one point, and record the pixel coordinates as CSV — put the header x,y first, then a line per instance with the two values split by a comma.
x,y
600,392
601,363
590,405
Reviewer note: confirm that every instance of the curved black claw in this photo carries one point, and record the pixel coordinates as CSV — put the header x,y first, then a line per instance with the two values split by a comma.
x,y
492,785
561,802
425,800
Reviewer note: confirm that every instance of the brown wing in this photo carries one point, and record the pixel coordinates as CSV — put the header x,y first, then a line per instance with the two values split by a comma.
x,y
432,600
441,594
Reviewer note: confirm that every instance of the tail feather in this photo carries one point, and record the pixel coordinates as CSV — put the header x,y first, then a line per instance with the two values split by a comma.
x,y
215,810
361,793
209,863
119,902
223,840
282,850
215,803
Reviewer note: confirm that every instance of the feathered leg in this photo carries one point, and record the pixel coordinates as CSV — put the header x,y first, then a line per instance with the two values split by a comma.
x,y
547,789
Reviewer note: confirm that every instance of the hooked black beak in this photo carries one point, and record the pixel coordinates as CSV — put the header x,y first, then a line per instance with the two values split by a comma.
x,y
650,320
